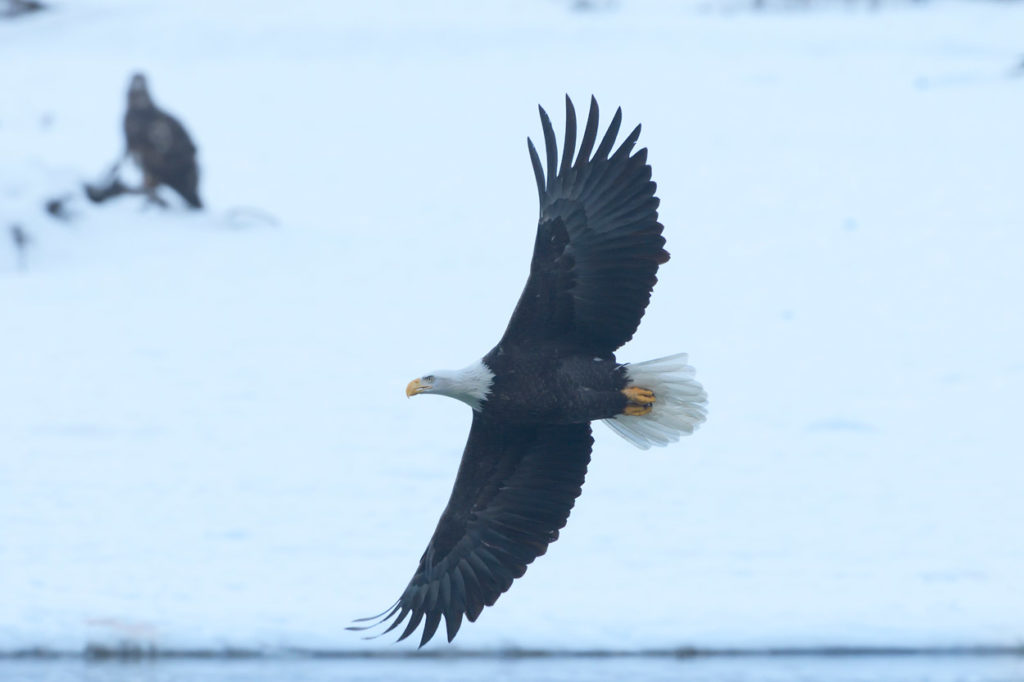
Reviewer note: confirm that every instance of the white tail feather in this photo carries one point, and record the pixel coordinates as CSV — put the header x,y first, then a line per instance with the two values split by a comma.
x,y
680,403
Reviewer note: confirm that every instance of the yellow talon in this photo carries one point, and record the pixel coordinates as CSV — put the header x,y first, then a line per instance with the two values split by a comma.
x,y
640,401
638,396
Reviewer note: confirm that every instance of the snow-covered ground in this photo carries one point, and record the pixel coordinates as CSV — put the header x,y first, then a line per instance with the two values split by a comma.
x,y
204,441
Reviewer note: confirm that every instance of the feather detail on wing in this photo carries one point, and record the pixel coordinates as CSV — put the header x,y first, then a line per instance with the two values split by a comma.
x,y
598,244
514,490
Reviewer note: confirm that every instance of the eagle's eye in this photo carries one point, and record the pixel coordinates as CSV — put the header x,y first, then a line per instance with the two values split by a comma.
x,y
429,379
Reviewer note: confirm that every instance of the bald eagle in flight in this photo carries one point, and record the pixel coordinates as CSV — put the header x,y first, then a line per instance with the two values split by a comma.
x,y
160,146
595,259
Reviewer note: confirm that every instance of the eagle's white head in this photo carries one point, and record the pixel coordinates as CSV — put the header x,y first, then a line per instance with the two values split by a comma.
x,y
470,384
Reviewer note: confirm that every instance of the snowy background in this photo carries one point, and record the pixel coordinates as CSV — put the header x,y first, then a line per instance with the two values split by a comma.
x,y
204,442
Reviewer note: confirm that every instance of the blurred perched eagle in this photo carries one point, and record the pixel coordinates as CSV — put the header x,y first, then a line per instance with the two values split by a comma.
x,y
160,145
595,259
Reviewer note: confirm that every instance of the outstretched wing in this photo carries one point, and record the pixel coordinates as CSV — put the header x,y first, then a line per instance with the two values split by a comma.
x,y
514,490
598,244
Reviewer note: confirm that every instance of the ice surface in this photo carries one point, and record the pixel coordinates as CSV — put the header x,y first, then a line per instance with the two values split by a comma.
x,y
512,669
204,440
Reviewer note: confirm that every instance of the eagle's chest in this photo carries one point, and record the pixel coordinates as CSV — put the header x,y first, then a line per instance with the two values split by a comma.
x,y
548,388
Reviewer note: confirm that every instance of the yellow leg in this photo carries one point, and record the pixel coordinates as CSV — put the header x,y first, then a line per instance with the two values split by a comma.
x,y
640,396
640,401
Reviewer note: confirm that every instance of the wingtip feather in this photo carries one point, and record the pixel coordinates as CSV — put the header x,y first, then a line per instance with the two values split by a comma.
x,y
430,627
609,137
414,622
538,171
550,147
569,143
589,133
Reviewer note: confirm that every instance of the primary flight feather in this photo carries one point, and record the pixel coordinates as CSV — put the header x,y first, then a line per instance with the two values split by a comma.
x,y
595,262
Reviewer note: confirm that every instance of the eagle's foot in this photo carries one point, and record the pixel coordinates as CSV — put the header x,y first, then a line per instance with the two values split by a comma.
x,y
640,401
639,396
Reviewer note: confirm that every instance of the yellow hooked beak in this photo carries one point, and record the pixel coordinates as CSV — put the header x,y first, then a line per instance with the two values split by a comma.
x,y
416,386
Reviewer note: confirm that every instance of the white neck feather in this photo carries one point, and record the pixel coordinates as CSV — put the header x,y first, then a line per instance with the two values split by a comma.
x,y
470,384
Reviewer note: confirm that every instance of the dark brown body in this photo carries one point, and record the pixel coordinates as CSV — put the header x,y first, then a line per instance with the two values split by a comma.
x,y
160,145
543,386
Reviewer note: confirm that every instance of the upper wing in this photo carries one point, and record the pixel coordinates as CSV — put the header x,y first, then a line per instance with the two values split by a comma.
x,y
598,244
515,487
